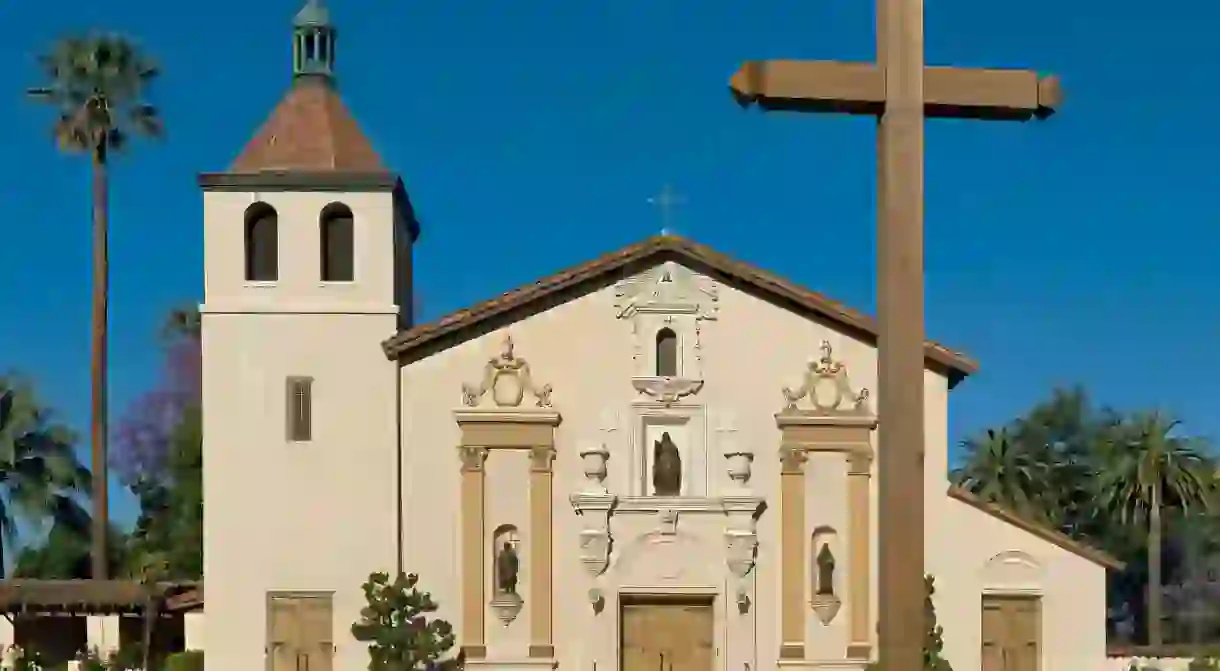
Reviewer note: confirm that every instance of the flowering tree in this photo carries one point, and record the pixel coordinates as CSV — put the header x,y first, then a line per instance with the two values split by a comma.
x,y
144,436
158,454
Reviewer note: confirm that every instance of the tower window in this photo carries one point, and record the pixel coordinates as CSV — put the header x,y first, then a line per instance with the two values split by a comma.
x,y
667,353
299,409
338,243
262,241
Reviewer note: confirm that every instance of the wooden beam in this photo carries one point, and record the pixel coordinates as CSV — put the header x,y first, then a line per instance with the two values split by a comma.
x,y
859,88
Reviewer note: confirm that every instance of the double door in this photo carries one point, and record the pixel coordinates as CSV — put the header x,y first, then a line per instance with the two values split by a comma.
x,y
670,636
1012,633
301,633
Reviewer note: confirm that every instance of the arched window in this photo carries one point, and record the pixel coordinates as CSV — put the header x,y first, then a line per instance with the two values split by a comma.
x,y
262,243
667,353
338,243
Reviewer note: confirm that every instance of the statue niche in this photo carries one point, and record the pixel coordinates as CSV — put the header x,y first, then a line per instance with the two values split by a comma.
x,y
666,467
505,572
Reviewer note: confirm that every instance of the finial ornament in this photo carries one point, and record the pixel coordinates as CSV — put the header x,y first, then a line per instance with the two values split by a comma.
x,y
508,378
827,372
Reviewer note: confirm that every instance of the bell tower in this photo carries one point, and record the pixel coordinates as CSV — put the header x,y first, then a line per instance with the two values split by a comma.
x,y
307,258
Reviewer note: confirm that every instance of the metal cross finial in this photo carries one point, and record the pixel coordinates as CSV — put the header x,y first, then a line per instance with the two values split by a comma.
x,y
666,200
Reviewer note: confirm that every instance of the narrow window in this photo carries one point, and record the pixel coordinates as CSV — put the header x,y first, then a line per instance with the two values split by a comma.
x,y
338,243
262,240
667,353
299,409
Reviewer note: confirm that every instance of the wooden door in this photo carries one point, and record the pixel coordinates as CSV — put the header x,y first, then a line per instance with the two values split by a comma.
x,y
667,637
300,633
1012,633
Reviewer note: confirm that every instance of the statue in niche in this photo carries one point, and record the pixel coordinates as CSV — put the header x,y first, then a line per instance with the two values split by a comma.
x,y
666,467
507,566
826,571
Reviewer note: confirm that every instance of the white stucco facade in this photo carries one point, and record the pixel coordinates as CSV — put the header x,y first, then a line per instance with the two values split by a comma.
x,y
380,483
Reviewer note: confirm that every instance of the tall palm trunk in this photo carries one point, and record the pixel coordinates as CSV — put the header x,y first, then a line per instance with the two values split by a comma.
x,y
98,427
1155,593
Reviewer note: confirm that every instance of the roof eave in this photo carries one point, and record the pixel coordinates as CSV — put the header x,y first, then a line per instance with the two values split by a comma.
x,y
953,365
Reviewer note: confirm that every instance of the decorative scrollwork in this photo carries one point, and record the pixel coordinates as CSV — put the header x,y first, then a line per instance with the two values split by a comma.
x,y
825,371
508,378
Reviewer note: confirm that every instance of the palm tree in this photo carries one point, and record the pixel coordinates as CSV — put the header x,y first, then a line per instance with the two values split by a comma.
x,y
1146,470
97,85
39,471
1001,470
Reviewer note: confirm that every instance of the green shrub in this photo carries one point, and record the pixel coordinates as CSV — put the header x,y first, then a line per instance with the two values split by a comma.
x,y
933,639
1204,664
396,626
187,660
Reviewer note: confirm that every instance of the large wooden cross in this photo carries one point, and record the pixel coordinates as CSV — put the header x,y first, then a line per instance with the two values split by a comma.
x,y
900,91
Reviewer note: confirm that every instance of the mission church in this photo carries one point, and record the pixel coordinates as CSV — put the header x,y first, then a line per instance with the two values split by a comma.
x,y
658,459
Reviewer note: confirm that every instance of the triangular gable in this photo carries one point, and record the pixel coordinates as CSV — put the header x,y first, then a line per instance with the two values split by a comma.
x,y
1041,530
586,277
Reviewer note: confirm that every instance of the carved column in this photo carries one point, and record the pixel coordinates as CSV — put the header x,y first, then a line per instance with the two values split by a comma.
x,y
541,564
792,552
474,550
859,533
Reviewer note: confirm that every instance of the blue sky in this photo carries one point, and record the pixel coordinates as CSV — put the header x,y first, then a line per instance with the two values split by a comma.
x,y
1077,250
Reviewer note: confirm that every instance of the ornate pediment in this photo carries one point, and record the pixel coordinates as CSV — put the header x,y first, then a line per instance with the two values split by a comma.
x,y
826,390
507,380
669,288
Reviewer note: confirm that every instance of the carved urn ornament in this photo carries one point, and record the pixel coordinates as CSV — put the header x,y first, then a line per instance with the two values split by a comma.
x,y
827,388
594,460
508,378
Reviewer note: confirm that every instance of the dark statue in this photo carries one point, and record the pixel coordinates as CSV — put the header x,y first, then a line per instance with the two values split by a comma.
x,y
506,569
826,571
666,467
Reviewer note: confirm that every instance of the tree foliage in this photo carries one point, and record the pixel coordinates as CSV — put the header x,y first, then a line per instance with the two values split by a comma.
x,y
1113,479
397,625
40,476
97,85
934,639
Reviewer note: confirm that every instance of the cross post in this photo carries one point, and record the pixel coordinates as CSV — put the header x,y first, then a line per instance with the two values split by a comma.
x,y
900,91
665,201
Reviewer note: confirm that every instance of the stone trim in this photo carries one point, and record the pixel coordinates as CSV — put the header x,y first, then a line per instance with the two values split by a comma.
x,y
298,180
802,432
483,432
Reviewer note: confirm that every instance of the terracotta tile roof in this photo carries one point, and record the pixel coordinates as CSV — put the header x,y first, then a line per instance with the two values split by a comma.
x,y
82,596
310,130
1041,530
955,364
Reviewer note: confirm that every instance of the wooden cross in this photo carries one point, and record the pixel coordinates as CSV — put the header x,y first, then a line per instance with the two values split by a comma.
x,y
665,201
900,91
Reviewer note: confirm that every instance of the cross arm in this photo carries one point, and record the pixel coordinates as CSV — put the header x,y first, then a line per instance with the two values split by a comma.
x,y
859,88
